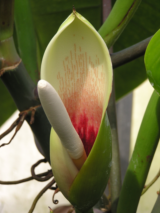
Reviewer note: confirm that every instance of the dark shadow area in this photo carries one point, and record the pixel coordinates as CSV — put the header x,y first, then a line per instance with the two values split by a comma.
x,y
124,110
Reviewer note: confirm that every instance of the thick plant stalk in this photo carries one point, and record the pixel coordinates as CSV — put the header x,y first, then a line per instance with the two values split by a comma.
x,y
129,54
9,58
141,159
115,176
117,20
25,96
17,80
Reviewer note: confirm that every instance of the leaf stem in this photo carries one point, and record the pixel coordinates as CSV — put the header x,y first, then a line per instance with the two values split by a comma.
x,y
137,171
117,20
115,176
9,58
129,54
25,96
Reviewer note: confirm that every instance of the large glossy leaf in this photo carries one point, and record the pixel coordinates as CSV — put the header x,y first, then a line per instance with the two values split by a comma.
x,y
143,24
152,61
137,171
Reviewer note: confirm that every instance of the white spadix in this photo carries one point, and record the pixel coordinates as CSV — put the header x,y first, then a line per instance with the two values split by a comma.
x,y
59,119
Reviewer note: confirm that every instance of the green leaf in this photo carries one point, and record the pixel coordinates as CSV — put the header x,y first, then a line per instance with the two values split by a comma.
x,y
144,24
146,143
48,16
91,180
152,61
26,38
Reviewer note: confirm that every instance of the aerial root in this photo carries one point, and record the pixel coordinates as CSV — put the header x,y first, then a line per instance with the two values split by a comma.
x,y
18,123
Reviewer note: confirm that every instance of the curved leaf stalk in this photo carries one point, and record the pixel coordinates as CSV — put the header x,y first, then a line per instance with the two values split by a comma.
x,y
26,38
129,54
117,20
115,176
140,162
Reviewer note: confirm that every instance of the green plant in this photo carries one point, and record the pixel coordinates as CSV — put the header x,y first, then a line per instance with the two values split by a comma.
x,y
25,31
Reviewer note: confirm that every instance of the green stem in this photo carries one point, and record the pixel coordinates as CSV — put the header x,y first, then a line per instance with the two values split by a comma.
x,y
115,176
129,54
117,20
24,93
18,82
6,18
9,58
146,144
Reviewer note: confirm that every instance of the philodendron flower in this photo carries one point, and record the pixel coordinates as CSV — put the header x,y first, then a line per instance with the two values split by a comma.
x,y
75,90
